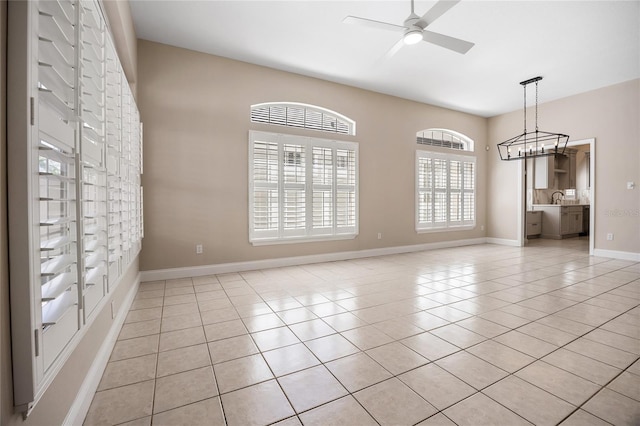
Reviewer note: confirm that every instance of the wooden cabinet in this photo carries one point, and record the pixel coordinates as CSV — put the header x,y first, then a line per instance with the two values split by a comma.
x,y
534,224
560,221
566,170
555,171
544,172
570,220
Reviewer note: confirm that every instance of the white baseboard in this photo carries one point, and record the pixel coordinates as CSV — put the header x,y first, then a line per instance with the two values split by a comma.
x,y
80,407
224,268
502,242
622,255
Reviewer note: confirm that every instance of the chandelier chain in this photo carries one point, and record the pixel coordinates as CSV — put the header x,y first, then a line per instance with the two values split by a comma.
x,y
536,106
524,87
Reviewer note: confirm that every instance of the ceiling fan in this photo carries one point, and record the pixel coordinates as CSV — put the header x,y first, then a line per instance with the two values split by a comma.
x,y
414,29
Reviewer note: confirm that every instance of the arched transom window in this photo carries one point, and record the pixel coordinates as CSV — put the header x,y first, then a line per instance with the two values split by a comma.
x,y
444,138
297,115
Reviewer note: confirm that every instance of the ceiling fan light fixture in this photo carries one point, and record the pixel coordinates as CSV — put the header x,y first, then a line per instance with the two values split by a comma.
x,y
412,36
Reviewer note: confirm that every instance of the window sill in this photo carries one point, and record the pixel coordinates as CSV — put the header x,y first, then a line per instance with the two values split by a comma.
x,y
445,229
297,240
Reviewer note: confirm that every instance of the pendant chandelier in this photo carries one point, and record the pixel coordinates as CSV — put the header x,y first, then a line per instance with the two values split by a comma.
x,y
532,144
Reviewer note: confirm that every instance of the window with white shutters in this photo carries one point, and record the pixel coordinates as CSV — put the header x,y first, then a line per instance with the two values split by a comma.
x,y
301,188
74,165
293,114
445,191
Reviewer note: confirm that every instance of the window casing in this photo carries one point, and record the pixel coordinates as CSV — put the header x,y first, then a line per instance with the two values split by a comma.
x,y
445,191
301,188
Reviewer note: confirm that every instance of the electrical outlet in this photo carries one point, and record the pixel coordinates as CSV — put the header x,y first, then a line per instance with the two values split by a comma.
x,y
379,235
113,309
610,236
482,227
198,248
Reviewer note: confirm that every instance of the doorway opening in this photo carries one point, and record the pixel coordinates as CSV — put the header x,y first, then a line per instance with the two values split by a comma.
x,y
580,191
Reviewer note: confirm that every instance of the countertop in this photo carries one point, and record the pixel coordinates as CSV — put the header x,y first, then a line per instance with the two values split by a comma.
x,y
559,205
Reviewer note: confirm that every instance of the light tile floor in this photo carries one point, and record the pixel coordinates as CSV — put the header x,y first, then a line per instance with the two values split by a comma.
x,y
475,335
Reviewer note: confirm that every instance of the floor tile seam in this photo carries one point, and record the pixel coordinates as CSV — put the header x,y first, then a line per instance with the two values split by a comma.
x,y
186,405
600,387
155,375
467,383
624,370
124,386
541,358
215,380
605,386
608,321
484,394
133,420
517,414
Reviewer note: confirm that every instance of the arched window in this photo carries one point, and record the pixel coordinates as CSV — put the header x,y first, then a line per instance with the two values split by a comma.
x,y
301,188
444,138
297,115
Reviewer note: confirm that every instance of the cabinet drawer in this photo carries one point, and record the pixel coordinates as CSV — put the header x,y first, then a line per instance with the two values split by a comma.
x,y
534,217
534,228
572,209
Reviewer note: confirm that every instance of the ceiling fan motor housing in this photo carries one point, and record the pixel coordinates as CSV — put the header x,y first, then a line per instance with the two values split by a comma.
x,y
413,34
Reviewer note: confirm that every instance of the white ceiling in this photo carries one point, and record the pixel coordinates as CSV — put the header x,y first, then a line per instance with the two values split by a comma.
x,y
576,46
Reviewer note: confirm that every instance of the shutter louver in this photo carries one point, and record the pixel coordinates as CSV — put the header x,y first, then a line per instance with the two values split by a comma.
x,y
301,116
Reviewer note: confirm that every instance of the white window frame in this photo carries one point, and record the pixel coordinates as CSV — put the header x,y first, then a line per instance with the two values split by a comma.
x,y
448,224
308,233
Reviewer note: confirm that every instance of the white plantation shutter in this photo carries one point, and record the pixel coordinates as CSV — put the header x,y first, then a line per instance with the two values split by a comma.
x,y
58,181
72,175
265,177
445,191
346,205
293,114
294,189
301,188
469,192
93,147
322,189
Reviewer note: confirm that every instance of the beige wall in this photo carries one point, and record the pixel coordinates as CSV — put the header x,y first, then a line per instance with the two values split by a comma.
x,y
610,115
195,109
55,403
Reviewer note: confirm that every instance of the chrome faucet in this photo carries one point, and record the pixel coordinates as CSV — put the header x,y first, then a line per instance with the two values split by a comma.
x,y
557,201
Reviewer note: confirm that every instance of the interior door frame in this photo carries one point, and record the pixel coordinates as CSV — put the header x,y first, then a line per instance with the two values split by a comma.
x,y
522,191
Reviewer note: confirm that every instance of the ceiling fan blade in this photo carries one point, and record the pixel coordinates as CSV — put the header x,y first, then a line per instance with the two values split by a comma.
x,y
447,42
394,49
437,11
372,24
